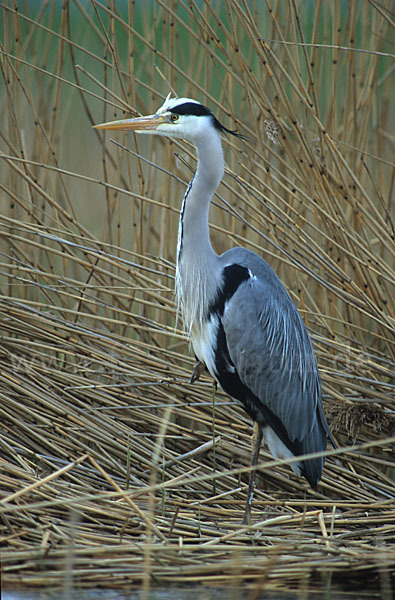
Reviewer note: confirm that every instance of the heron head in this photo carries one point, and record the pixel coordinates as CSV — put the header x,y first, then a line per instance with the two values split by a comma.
x,y
177,117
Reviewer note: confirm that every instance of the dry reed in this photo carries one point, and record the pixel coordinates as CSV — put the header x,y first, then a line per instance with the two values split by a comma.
x,y
114,472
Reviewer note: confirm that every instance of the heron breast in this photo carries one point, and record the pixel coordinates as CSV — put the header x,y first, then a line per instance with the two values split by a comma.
x,y
204,341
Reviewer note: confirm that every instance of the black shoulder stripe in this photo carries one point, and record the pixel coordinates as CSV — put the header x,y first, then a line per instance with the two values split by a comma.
x,y
234,275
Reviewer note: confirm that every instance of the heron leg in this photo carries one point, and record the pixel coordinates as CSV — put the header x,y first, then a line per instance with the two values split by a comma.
x,y
256,446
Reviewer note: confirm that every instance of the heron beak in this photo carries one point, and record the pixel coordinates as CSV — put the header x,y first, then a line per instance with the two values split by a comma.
x,y
143,124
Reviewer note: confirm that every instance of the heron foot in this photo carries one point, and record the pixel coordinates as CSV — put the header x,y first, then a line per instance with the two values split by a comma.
x,y
197,371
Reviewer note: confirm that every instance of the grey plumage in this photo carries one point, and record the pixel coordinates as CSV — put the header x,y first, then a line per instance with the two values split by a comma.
x,y
276,361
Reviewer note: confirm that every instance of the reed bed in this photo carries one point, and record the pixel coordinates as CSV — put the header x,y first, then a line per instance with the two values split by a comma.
x,y
116,471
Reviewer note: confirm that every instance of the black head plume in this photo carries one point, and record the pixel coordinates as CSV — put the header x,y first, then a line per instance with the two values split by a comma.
x,y
199,110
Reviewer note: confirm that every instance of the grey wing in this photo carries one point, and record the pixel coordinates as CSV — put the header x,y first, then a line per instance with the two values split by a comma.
x,y
271,350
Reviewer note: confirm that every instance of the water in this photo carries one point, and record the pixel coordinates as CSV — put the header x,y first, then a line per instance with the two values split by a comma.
x,y
169,594
160,594
195,593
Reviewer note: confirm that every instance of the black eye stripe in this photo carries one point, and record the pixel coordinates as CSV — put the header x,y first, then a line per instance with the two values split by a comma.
x,y
198,110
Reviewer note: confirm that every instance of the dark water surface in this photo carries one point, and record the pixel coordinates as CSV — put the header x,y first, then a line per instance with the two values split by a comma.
x,y
169,594
197,593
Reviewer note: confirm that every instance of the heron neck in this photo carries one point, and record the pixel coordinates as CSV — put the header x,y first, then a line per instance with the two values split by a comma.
x,y
210,169
196,264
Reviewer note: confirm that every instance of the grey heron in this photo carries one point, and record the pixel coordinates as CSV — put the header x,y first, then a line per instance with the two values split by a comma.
x,y
240,318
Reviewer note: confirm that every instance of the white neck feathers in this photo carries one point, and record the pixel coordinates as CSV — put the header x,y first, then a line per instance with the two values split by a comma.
x,y
197,264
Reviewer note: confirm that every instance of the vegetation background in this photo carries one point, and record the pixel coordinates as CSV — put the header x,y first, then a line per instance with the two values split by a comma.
x,y
95,366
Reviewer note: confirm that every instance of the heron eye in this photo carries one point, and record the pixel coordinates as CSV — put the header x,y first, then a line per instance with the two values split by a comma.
x,y
174,118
